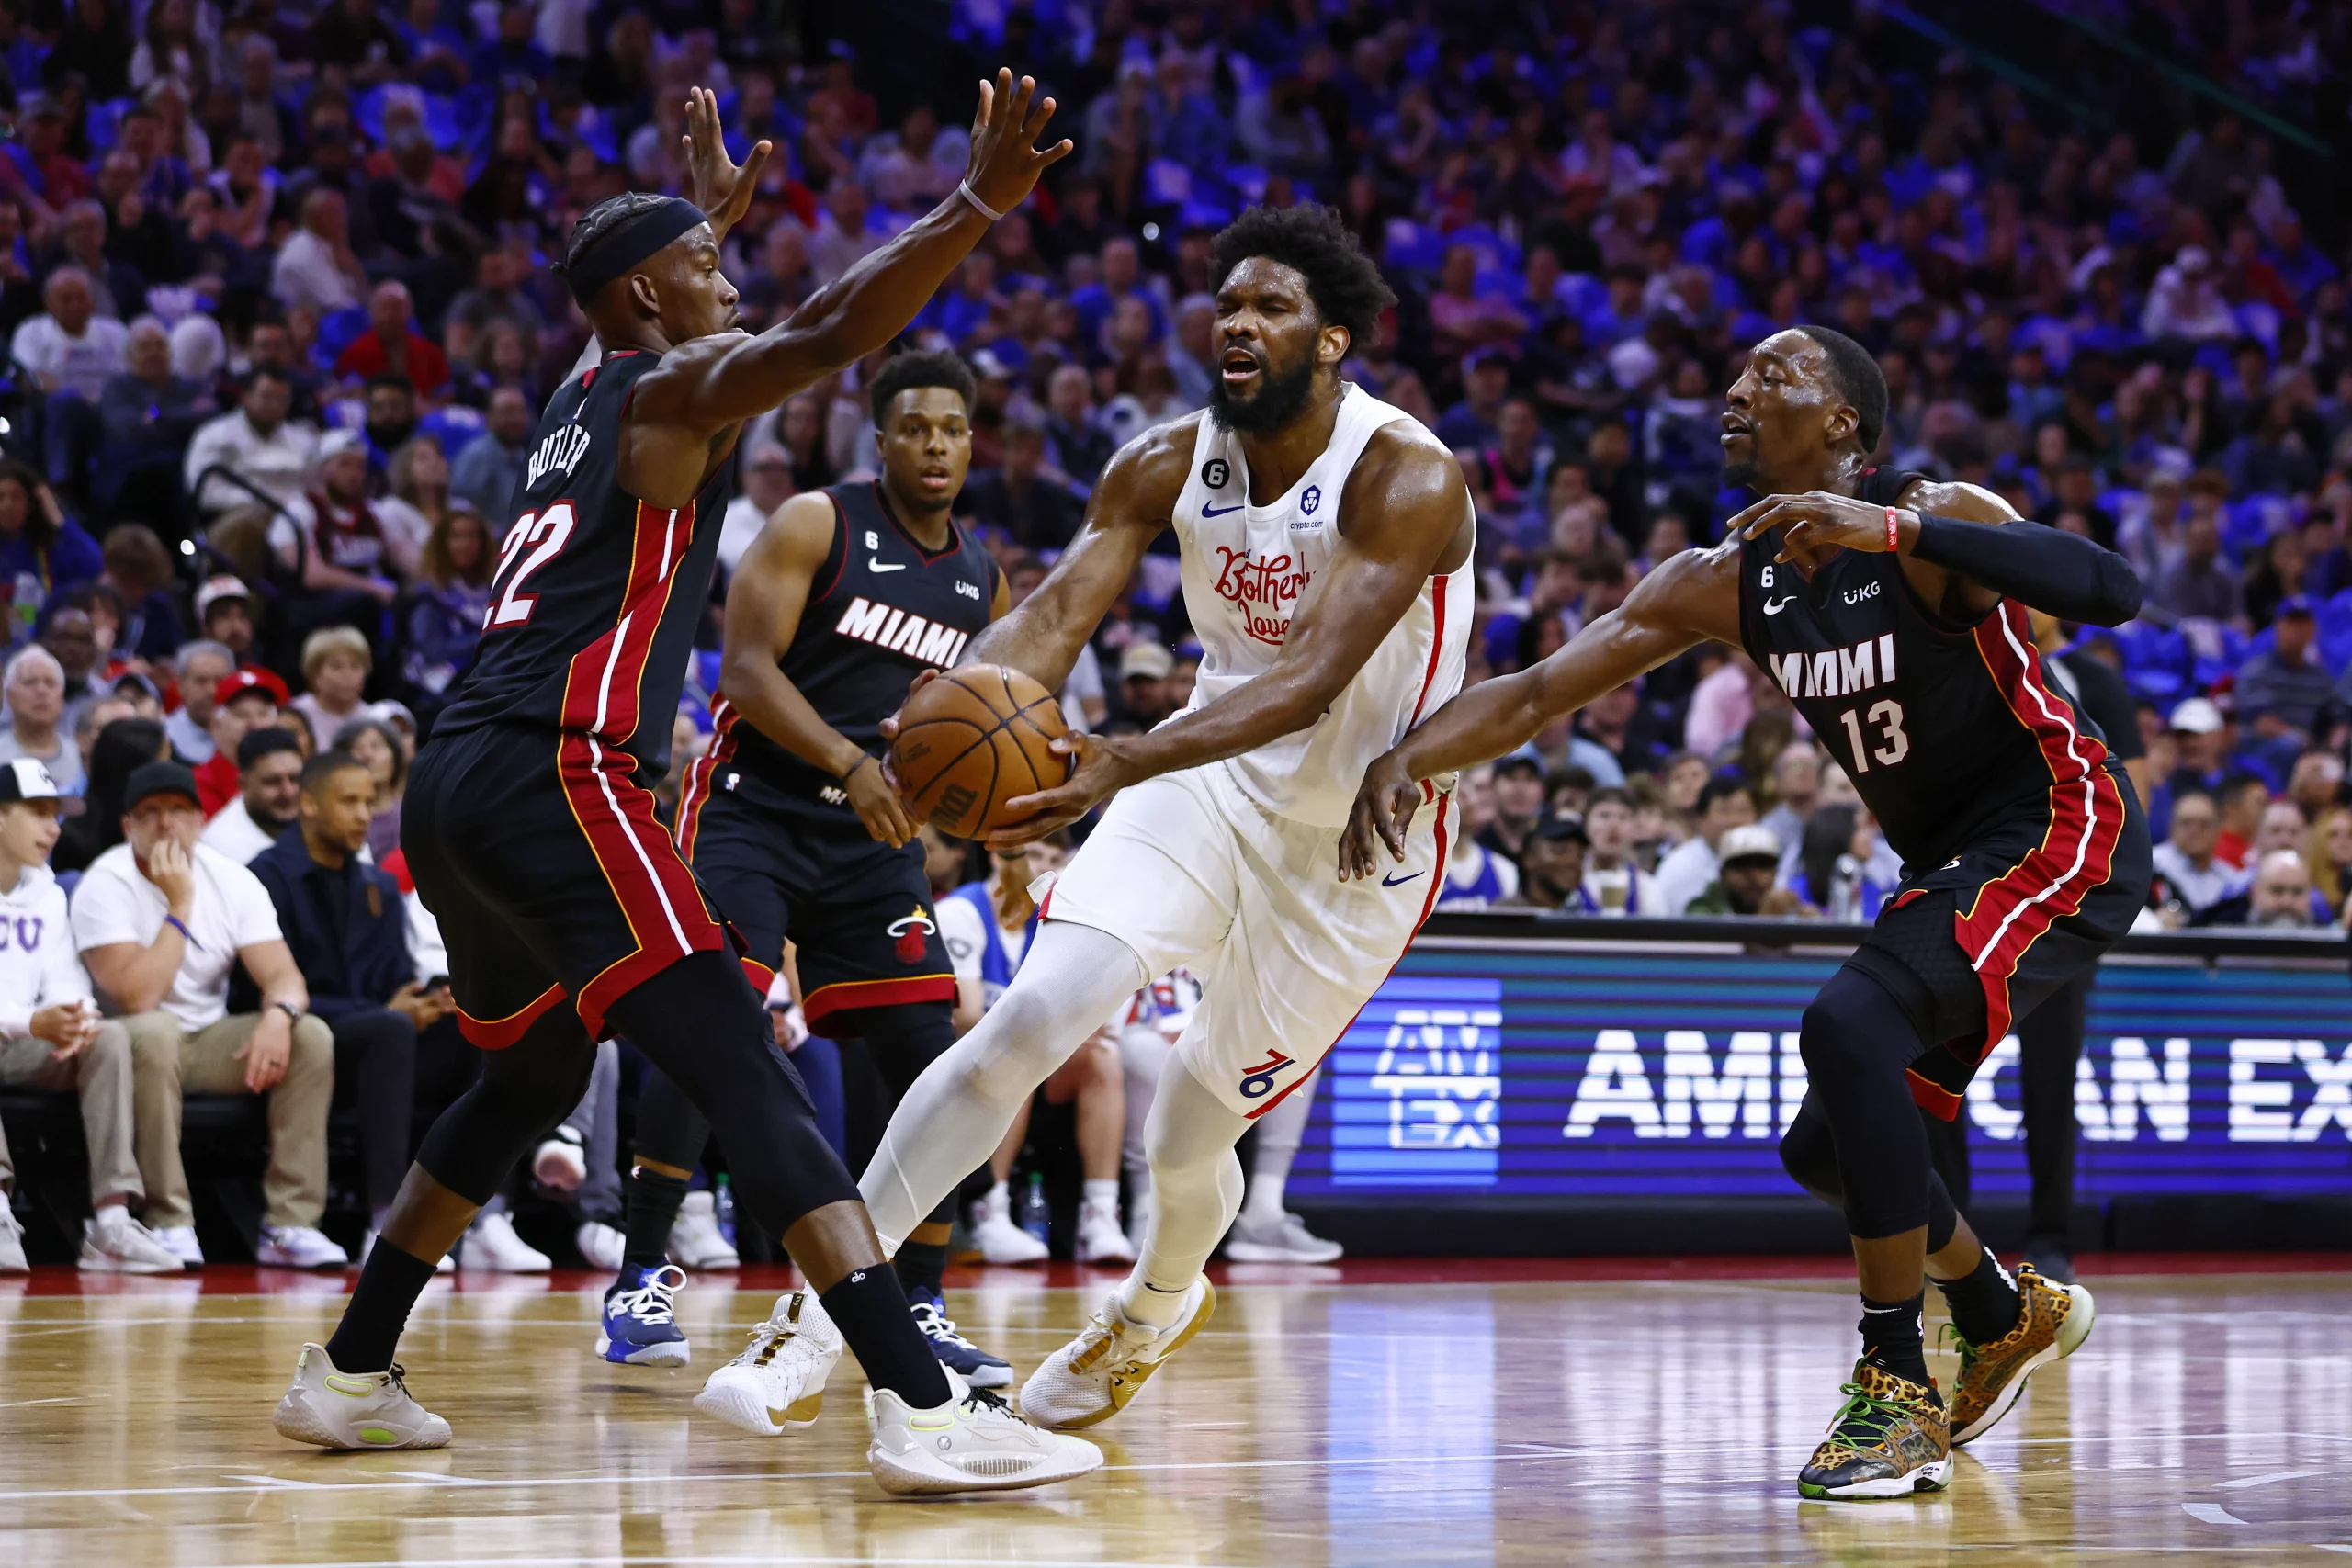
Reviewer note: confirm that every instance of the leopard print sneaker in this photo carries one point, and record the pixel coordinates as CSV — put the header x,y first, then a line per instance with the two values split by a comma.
x,y
2052,1320
1889,1440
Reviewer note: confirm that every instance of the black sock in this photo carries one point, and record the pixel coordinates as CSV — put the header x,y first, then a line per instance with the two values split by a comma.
x,y
1984,1301
1891,1338
922,1265
871,1311
390,1283
652,1206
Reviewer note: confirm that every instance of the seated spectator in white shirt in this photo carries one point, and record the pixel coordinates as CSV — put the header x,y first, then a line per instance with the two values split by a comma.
x,y
1613,881
52,1038
197,670
161,922
70,347
316,266
258,443
269,767
1691,866
34,684
2186,860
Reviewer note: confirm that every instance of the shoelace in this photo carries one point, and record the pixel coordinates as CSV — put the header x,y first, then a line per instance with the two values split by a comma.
x,y
653,1301
1866,1411
941,1329
1950,1334
982,1401
399,1376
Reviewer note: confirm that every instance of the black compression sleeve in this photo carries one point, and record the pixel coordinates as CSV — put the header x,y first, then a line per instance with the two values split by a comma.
x,y
2062,574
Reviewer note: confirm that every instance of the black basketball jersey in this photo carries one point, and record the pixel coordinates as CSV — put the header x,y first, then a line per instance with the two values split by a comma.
x,y
1943,728
593,608
881,610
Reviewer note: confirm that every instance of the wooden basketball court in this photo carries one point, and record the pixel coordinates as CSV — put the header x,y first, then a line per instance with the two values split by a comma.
x,y
1452,1413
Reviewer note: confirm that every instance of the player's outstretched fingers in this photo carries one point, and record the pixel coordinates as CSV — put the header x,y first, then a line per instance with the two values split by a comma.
x,y
890,725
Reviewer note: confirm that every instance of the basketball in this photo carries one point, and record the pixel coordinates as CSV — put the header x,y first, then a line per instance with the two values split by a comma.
x,y
973,739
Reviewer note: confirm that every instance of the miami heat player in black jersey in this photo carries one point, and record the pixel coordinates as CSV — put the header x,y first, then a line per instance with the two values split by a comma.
x,y
1891,609
528,824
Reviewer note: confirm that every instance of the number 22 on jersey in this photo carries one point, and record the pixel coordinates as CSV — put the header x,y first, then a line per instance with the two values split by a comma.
x,y
535,539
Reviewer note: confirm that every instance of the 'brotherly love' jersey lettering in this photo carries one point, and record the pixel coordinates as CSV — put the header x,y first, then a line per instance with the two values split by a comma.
x,y
1246,569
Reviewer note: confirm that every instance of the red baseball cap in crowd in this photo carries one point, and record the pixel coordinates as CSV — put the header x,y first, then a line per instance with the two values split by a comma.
x,y
238,682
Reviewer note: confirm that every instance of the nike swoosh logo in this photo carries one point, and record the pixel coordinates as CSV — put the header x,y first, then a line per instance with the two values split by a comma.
x,y
1217,511
875,565
1774,606
1399,881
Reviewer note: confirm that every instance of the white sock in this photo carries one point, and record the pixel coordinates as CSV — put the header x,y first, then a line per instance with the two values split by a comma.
x,y
1265,1204
1196,1190
954,1116
1103,1196
999,1199
1154,1306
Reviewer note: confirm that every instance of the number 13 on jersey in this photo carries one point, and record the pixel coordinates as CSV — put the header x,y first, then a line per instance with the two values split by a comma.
x,y
1889,746
535,539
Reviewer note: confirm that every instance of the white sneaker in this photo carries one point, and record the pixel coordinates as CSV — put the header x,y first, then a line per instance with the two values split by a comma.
x,y
12,1241
180,1242
1289,1241
492,1244
975,1442
779,1379
113,1243
1092,1378
298,1246
339,1410
600,1244
1099,1239
694,1242
447,1265
560,1165
999,1239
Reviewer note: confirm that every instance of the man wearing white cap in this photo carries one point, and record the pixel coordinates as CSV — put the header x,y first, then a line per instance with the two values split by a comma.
x,y
52,1038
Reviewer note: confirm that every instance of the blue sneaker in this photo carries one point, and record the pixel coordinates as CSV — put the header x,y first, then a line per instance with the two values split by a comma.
x,y
958,1354
640,1328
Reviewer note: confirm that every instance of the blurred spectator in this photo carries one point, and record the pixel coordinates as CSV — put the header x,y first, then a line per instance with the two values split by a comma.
x,y
2242,799
1476,876
42,549
766,478
120,744
197,670
1033,508
245,700
489,472
1796,790
1519,800
333,539
1077,444
257,444
347,933
161,920
451,599
1842,866
2282,689
269,768
1692,867
2278,897
1614,882
2185,860
1749,860
139,569
392,346
71,346
1144,670
224,615
335,664
2327,858
373,744
2200,583
1551,866
317,269
34,684
416,502
72,634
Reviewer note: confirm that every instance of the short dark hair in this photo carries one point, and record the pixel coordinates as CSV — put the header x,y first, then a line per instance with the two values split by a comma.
x,y
266,740
325,765
1314,240
906,372
1720,785
1858,380
396,382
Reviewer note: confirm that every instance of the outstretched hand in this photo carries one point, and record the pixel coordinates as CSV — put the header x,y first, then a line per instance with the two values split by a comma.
x,y
1101,771
1815,526
1006,159
1385,804
722,190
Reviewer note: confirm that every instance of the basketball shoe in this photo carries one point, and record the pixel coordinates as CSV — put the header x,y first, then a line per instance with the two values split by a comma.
x,y
958,1354
1890,1438
641,1324
778,1381
2052,1321
1092,1378
1283,1239
999,1239
340,1410
975,1442
696,1242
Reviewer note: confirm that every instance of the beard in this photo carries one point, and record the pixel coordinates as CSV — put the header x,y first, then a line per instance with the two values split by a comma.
x,y
1282,398
1740,473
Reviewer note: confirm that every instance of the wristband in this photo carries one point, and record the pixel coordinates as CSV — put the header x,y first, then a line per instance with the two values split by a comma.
x,y
293,1014
844,778
181,926
1894,538
964,190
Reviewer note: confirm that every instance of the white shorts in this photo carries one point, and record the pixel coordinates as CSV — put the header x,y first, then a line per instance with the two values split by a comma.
x,y
1187,870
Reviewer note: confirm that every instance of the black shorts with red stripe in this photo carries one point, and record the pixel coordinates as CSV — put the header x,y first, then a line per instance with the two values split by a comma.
x,y
553,881
857,912
1972,946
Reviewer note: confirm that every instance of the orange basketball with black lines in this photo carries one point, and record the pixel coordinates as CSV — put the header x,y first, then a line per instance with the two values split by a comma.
x,y
972,739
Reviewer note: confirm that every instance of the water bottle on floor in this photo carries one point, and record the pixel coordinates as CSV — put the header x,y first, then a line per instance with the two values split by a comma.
x,y
1035,1215
722,1209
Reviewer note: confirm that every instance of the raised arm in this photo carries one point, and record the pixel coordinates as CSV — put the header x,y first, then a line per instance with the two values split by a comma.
x,y
1404,518
702,387
764,604
1689,599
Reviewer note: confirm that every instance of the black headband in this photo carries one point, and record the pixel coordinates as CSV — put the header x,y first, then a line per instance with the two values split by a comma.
x,y
620,249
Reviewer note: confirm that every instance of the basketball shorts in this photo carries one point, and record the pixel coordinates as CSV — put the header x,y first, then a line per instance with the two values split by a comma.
x,y
1972,946
857,912
539,854
1187,870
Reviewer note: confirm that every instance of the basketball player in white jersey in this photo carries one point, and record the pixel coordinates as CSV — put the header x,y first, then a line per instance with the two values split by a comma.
x,y
1326,541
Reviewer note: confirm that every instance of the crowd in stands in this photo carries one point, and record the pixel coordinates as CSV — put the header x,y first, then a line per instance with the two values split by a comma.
x,y
275,281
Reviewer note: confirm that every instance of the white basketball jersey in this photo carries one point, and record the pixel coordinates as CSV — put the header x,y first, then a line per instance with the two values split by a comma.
x,y
1246,566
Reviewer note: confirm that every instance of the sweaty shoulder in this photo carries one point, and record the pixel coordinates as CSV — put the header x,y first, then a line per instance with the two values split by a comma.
x,y
1969,503
1145,477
